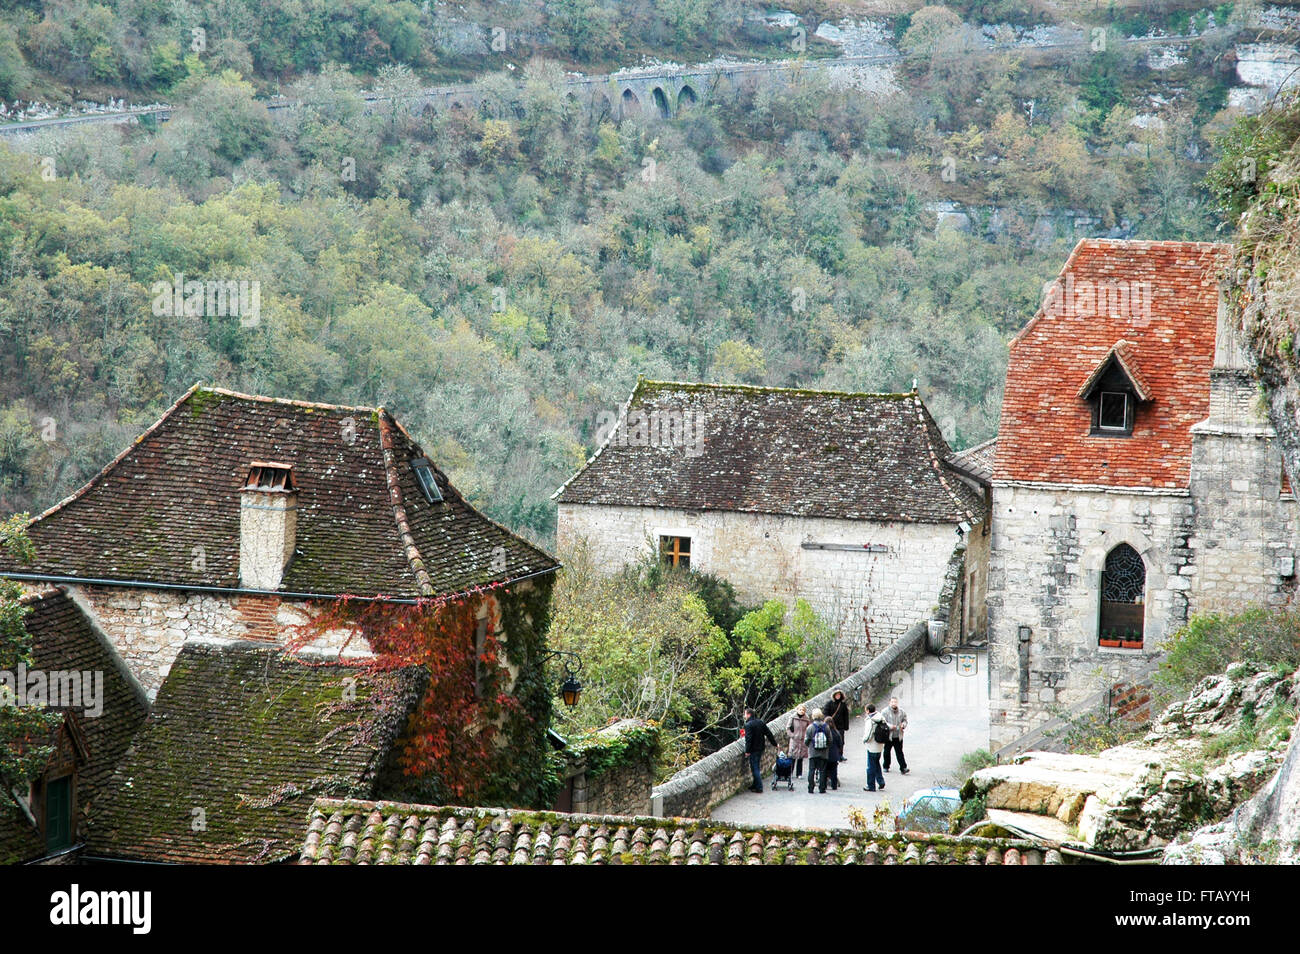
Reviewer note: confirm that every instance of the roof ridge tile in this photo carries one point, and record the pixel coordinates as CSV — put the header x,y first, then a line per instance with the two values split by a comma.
x,y
413,557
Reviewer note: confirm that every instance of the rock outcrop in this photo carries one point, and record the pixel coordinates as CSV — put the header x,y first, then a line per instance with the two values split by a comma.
x,y
1141,796
1265,830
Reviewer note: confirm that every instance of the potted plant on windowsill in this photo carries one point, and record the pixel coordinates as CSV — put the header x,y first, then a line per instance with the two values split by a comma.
x,y
1110,640
1131,643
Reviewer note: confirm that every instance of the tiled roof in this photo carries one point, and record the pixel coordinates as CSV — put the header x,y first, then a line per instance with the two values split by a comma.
x,y
343,832
63,640
166,511
240,740
779,451
19,838
977,460
1166,295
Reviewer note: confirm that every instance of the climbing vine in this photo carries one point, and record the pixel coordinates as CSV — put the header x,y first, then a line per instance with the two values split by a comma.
x,y
25,731
604,752
478,734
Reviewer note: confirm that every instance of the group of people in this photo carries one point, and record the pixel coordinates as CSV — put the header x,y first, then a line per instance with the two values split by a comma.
x,y
820,739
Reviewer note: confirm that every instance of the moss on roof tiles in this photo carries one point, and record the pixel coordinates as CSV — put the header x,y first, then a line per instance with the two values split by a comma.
x,y
500,836
240,739
202,399
785,451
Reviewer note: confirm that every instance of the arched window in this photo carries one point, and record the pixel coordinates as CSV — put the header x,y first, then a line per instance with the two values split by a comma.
x,y
1123,596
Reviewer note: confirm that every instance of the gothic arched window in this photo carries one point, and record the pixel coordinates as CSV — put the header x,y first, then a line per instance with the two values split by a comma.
x,y
1123,595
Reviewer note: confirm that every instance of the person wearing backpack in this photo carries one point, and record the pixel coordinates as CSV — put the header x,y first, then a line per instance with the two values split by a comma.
x,y
875,737
818,737
836,756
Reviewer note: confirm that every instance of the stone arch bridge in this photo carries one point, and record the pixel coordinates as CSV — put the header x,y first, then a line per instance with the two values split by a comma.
x,y
663,93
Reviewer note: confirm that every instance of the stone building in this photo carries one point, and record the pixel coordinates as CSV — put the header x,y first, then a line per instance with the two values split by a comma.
x,y
849,501
1135,479
237,517
238,520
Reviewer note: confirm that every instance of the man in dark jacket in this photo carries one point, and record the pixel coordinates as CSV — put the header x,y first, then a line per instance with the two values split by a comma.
x,y
837,713
756,731
835,756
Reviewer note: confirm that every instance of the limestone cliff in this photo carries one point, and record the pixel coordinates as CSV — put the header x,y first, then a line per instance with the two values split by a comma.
x,y
1262,291
1265,830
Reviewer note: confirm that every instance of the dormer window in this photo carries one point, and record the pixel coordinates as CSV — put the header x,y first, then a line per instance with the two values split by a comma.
x,y
1115,411
424,477
1114,389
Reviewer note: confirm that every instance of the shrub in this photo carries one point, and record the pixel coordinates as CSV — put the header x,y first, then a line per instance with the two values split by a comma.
x,y
1209,644
972,762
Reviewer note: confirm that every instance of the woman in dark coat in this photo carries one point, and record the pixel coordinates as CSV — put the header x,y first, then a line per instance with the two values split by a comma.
x,y
837,713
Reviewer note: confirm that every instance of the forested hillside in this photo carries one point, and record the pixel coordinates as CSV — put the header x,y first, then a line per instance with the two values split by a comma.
x,y
499,277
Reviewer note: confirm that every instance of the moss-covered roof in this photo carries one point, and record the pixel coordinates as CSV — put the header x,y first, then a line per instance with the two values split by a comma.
x,y
19,838
63,640
240,740
877,457
167,510
344,832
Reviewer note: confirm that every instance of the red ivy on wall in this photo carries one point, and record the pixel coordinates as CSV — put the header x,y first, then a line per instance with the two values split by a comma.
x,y
453,734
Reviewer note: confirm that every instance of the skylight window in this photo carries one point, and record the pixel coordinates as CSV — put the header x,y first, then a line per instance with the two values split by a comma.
x,y
424,477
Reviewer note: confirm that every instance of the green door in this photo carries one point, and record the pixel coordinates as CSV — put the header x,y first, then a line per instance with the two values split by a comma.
x,y
58,814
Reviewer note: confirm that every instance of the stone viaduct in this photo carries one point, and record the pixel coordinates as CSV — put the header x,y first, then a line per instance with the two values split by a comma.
x,y
663,93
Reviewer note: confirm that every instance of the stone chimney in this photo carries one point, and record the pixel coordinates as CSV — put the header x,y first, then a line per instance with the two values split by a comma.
x,y
268,525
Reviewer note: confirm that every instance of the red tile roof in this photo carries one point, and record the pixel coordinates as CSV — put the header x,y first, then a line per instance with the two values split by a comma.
x,y
1152,303
1123,355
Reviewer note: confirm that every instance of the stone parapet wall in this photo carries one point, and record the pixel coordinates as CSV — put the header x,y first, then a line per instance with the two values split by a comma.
x,y
693,791
622,788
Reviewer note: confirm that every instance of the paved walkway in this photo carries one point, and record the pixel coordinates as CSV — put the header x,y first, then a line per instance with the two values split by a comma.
x,y
947,716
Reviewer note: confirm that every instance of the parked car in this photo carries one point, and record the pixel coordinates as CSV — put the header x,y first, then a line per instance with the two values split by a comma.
x,y
927,809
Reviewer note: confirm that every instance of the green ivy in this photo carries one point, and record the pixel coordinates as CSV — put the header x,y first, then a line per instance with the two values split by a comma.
x,y
608,751
526,775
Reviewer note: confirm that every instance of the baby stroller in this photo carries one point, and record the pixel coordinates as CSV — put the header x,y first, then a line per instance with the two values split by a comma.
x,y
784,771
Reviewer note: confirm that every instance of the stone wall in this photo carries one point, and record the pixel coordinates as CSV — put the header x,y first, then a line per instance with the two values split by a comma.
x,y
764,557
623,789
149,627
693,791
1245,538
1046,556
